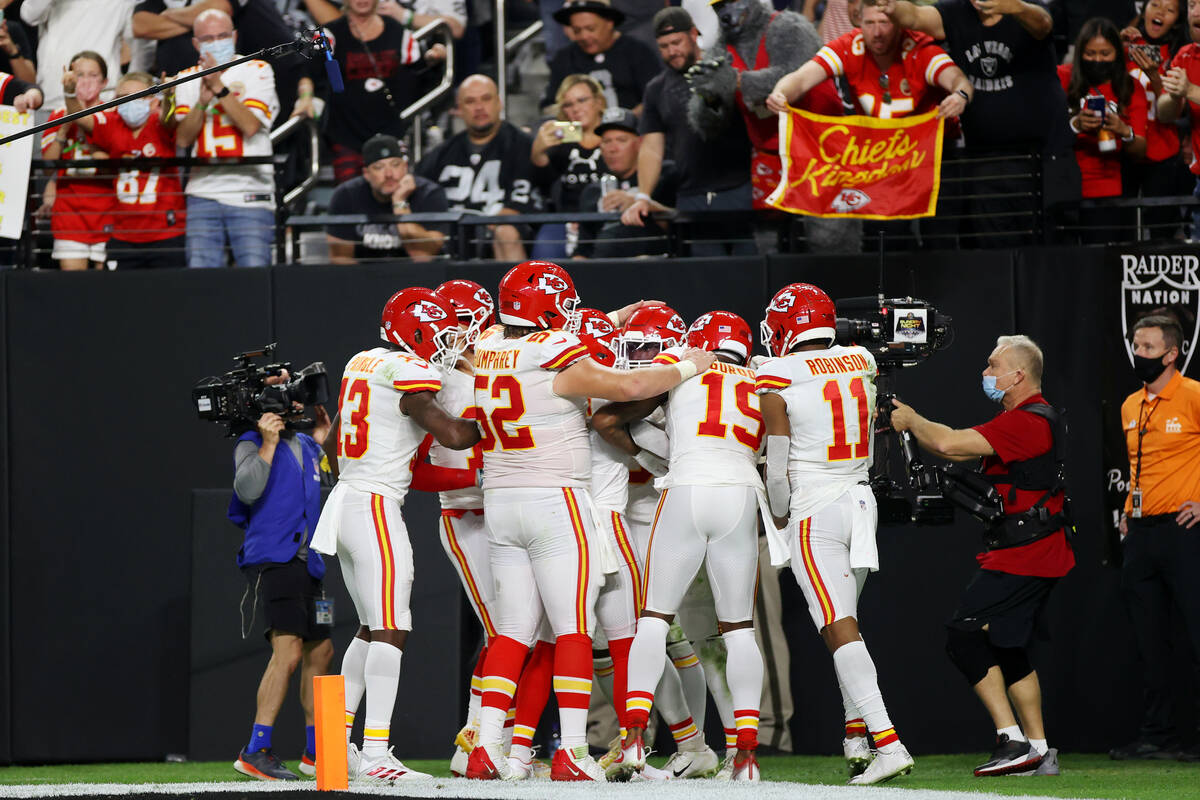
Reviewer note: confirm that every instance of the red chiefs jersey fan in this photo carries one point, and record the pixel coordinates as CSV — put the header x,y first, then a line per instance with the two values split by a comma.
x,y
472,304
722,332
599,333
424,323
647,332
539,294
799,312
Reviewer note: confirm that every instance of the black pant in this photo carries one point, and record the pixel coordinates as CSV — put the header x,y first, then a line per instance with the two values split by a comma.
x,y
1161,570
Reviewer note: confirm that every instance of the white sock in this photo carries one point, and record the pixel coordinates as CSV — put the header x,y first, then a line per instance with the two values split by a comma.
x,y
354,660
491,725
1039,745
521,752
712,655
669,699
691,675
647,654
848,706
382,677
743,668
1013,732
856,672
602,666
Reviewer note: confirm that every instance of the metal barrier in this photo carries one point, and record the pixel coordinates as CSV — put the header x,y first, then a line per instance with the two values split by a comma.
x,y
286,131
510,48
436,93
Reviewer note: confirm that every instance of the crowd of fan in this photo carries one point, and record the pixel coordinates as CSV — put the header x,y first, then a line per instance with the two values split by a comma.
x,y
616,134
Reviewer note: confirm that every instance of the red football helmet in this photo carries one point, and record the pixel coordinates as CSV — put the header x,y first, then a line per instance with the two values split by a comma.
x,y
472,304
423,323
722,330
647,332
798,313
599,334
539,294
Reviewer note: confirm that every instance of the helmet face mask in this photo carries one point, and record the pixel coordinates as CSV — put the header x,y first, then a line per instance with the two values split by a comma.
x,y
647,332
798,313
423,323
473,306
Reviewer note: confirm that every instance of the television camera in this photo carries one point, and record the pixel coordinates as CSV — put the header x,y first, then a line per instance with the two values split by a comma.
x,y
242,395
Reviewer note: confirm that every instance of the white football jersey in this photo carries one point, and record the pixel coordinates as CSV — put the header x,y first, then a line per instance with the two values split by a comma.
x,y
610,469
643,497
830,396
376,442
532,437
458,398
715,427
253,83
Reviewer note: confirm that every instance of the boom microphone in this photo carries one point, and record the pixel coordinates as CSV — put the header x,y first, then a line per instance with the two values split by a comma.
x,y
332,70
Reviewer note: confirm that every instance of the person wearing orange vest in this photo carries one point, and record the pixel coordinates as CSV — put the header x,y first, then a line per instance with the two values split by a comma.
x,y
1162,432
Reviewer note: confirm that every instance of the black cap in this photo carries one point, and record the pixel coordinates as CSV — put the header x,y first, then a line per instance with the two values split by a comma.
x,y
617,118
672,20
382,146
601,8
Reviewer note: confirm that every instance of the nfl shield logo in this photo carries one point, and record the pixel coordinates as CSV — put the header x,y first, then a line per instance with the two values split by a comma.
x,y
1158,283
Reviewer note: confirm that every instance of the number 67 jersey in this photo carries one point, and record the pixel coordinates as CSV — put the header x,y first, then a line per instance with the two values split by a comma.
x,y
830,396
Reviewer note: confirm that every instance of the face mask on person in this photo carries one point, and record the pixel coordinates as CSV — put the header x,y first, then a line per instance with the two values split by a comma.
x,y
989,387
87,88
1148,369
1098,72
135,112
221,50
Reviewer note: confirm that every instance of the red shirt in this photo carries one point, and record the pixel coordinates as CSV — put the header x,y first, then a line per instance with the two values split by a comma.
x,y
1101,171
84,201
1018,436
150,202
1188,57
1162,140
911,79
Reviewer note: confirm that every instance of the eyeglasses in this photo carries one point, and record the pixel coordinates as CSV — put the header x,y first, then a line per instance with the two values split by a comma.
x,y
220,37
885,83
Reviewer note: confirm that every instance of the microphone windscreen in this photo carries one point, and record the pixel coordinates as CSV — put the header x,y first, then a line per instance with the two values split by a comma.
x,y
334,72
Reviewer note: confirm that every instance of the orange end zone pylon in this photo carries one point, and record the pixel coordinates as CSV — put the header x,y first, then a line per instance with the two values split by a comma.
x,y
329,696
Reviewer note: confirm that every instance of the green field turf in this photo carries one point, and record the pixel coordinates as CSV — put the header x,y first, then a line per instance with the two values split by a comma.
x,y
1083,775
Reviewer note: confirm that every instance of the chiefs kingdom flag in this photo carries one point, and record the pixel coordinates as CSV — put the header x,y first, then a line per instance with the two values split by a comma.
x,y
858,166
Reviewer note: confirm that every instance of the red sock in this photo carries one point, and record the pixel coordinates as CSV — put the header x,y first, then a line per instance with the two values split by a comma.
x,y
501,670
573,685
619,651
533,692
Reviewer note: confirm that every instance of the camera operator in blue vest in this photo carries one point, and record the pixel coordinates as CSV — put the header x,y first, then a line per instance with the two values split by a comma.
x,y
277,500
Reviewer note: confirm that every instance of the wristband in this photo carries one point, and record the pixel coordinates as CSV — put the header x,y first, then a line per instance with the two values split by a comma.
x,y
964,94
1071,124
224,91
642,196
1130,137
408,19
686,369
68,94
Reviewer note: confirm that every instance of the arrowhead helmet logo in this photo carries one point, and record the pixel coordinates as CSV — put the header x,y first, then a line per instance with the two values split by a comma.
x,y
783,302
597,327
848,200
1156,281
550,284
701,321
675,325
426,311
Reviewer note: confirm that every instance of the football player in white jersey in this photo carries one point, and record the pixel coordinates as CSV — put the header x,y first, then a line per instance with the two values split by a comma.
x,y
386,405
818,400
708,515
533,377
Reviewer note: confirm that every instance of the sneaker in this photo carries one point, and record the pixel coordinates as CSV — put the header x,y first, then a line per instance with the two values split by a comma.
x,y
745,767
458,763
1140,749
465,739
263,765
693,763
885,766
631,759
1047,766
574,764
308,765
726,771
387,769
487,762
1009,756
858,754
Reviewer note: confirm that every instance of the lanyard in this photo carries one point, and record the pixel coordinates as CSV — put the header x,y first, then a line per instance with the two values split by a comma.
x,y
1143,427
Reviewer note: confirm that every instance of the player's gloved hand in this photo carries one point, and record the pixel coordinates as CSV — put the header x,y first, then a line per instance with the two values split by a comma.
x,y
758,361
651,463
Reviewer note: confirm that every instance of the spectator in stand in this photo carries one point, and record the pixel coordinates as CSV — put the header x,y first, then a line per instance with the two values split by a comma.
x,y
1182,97
715,171
16,54
619,145
149,219
21,95
1150,43
376,57
621,64
840,17
79,200
571,156
1103,136
386,187
67,27
412,14
484,169
1004,47
227,114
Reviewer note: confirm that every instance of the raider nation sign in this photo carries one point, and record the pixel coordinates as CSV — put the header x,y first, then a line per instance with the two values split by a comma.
x,y
858,166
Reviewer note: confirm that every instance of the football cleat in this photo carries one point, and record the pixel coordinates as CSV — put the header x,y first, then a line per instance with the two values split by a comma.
x,y
614,752
745,767
630,759
884,767
308,764
1009,756
574,764
387,769
487,762
466,738
725,773
263,765
353,761
458,763
693,763
651,773
858,754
